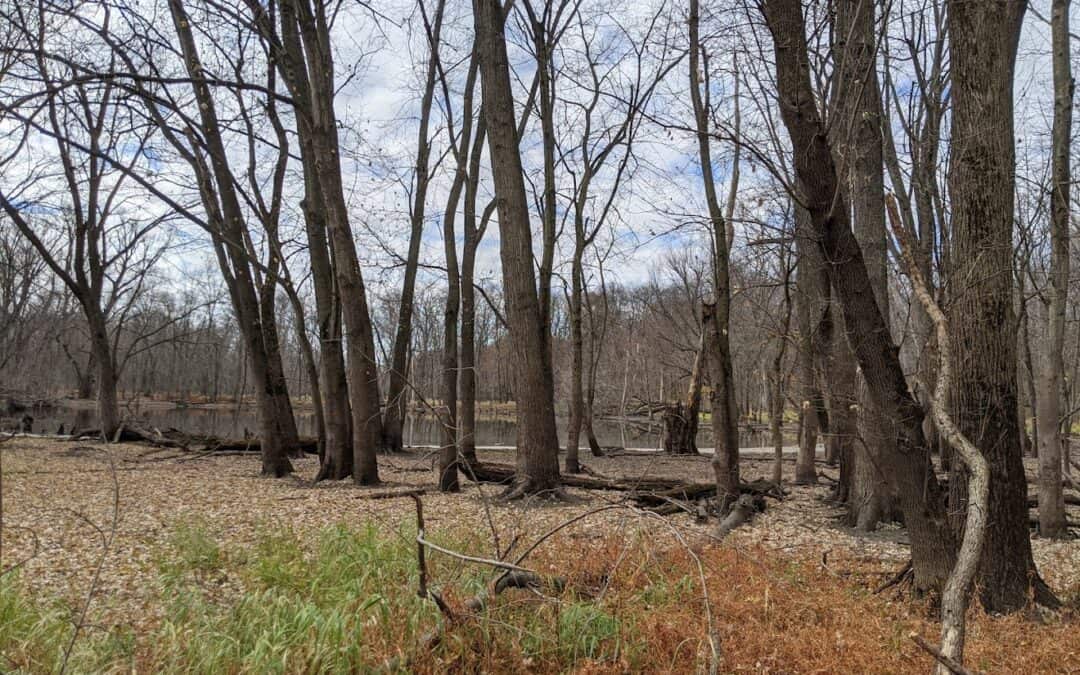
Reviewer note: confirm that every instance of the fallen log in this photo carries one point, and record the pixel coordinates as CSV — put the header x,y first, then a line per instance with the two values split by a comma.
x,y
664,496
131,432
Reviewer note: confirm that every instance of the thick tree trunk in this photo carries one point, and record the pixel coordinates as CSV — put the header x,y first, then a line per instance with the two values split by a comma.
x,y
538,442
107,401
87,376
983,43
302,53
909,469
1051,497
278,387
954,597
682,419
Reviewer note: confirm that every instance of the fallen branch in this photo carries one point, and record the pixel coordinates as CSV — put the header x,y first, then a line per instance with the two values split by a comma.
x,y
952,665
906,572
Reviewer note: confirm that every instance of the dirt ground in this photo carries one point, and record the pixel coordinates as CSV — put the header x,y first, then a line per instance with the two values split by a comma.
x,y
59,499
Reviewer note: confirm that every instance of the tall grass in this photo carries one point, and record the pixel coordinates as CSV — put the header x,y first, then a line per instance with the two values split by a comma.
x,y
341,601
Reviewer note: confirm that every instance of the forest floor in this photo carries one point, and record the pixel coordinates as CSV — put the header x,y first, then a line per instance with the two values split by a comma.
x,y
197,564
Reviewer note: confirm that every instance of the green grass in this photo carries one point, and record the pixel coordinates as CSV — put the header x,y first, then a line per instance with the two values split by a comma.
x,y
340,600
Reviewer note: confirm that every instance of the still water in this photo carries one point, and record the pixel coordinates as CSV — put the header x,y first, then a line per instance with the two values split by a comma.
x,y
420,429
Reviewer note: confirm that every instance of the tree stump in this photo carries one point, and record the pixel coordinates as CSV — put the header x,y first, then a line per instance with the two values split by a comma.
x,y
680,430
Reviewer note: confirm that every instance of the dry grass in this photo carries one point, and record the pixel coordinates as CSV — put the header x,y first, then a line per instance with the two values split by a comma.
x,y
792,593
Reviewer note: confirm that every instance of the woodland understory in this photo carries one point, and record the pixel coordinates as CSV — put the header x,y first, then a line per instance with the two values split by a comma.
x,y
165,573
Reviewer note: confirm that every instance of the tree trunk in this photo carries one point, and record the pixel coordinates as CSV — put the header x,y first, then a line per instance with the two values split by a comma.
x,y
857,144
1051,497
473,235
449,456
909,469
577,356
275,371
725,459
983,43
538,442
776,399
107,400
954,597
87,377
716,316
218,192
813,315
305,61
681,420
337,453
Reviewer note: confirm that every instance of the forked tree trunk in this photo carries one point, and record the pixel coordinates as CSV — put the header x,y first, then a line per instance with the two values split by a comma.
x,y
538,441
304,59
337,453
449,454
983,43
218,192
473,235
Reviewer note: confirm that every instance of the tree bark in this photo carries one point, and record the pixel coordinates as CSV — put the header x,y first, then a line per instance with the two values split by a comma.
x,y
954,597
217,188
304,58
856,141
983,42
538,442
1051,496
815,332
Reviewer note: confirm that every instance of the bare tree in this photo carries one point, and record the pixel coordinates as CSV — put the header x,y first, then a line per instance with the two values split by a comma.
x,y
716,315
538,443
88,233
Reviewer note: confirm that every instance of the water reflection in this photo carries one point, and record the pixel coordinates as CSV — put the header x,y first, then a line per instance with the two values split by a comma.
x,y
420,429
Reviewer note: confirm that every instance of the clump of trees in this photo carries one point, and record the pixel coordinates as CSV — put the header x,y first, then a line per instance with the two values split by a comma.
x,y
688,203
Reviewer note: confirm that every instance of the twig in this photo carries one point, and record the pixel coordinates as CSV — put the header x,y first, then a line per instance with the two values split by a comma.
x,y
952,665
904,572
